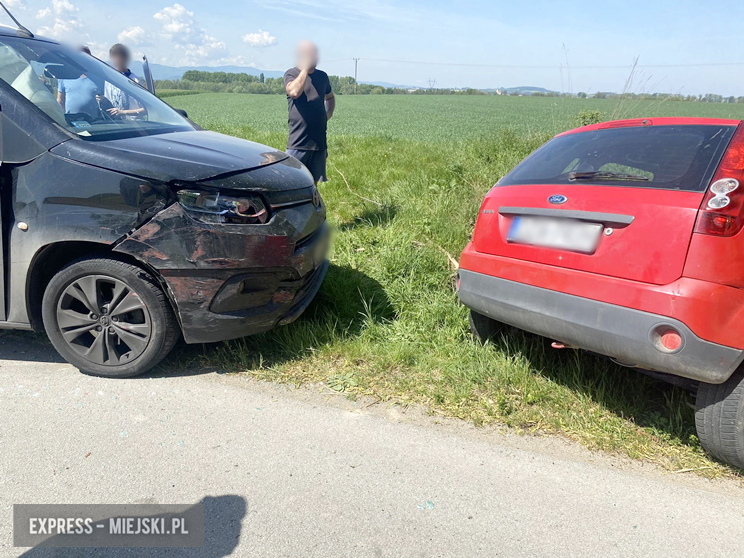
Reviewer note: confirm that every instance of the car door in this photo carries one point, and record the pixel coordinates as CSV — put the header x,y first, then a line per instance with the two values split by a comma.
x,y
4,208
25,134
147,75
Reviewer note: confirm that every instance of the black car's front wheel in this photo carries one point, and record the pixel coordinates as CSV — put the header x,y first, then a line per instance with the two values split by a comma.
x,y
108,318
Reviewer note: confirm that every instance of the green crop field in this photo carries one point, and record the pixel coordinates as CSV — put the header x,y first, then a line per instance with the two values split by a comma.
x,y
407,176
437,118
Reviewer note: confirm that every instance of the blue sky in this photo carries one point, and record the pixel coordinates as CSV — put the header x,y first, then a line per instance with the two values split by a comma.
x,y
464,43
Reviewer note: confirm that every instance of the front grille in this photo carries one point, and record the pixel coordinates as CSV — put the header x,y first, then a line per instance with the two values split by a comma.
x,y
289,198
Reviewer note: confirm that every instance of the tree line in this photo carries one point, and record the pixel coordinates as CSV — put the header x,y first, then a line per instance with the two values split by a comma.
x,y
224,82
707,98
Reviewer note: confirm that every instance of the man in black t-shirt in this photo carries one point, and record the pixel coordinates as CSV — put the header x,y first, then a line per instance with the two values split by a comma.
x,y
311,105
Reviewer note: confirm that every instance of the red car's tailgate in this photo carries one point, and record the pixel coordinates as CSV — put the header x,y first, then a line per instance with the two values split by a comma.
x,y
645,237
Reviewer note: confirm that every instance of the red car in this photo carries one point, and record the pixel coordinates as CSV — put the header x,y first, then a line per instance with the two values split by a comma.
x,y
625,239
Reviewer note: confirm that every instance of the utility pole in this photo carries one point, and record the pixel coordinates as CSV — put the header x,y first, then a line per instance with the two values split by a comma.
x,y
432,83
356,67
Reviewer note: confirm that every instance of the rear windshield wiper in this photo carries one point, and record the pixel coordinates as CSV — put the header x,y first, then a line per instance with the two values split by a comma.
x,y
599,175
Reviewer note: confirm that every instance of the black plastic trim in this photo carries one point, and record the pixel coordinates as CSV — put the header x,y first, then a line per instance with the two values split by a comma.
x,y
607,329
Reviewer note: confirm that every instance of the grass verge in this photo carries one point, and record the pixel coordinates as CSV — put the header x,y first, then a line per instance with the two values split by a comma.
x,y
403,196
387,322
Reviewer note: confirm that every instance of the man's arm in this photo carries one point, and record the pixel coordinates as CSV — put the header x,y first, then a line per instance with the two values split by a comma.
x,y
61,99
296,87
126,112
330,105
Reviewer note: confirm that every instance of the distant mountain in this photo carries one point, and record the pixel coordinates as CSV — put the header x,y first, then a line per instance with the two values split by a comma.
x,y
388,85
524,90
170,72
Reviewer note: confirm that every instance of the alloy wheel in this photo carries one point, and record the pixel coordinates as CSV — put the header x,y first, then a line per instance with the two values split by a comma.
x,y
104,320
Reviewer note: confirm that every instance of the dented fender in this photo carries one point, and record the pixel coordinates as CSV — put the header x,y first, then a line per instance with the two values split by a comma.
x,y
229,281
62,201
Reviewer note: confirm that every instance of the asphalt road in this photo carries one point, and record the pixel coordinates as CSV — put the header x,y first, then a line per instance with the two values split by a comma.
x,y
301,473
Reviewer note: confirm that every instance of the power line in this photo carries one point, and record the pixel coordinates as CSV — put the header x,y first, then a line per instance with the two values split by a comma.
x,y
541,67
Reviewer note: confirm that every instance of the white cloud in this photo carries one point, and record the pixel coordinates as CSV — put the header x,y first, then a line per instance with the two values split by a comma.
x,y
62,22
63,7
207,48
179,26
234,61
65,30
15,4
98,49
260,39
134,36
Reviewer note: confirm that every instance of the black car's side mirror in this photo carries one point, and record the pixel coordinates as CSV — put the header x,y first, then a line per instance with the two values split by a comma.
x,y
182,112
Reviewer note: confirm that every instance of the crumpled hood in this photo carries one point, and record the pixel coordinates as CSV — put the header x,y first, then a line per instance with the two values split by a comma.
x,y
178,156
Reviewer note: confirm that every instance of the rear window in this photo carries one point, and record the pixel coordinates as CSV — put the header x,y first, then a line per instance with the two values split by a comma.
x,y
665,157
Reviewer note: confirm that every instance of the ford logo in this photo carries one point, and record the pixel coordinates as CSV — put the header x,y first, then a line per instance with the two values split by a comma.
x,y
558,199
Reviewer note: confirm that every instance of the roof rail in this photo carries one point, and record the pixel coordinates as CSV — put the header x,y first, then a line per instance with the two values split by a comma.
x,y
23,30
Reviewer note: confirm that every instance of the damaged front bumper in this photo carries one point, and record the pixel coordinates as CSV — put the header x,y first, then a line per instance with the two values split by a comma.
x,y
215,309
232,281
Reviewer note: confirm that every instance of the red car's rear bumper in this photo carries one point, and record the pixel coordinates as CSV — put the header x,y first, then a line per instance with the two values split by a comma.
x,y
612,316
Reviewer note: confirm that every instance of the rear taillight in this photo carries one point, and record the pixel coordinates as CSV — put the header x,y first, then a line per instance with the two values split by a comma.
x,y
722,212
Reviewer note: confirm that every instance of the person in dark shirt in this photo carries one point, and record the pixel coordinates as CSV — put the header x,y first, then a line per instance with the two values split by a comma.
x,y
311,105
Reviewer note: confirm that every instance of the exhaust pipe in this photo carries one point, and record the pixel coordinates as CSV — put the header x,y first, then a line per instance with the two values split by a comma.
x,y
560,346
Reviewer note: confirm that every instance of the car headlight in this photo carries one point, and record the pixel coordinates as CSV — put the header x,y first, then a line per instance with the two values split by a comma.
x,y
216,207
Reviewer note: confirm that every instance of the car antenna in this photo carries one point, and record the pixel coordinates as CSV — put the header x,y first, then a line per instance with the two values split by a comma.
x,y
21,28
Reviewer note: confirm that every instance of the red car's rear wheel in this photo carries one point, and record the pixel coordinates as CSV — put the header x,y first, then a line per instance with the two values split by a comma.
x,y
719,419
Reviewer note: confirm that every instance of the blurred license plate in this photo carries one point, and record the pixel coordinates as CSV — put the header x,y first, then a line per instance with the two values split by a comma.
x,y
562,234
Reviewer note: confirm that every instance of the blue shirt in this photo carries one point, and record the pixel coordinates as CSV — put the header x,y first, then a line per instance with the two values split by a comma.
x,y
80,95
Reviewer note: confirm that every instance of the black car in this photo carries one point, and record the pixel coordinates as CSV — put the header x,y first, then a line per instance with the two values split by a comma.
x,y
125,226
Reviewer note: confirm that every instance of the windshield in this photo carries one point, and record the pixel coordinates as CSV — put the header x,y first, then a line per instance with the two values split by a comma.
x,y
665,157
82,94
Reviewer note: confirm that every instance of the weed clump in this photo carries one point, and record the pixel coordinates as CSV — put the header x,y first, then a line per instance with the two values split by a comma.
x,y
589,117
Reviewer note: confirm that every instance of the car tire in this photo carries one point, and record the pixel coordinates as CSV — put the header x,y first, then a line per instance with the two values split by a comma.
x,y
483,327
719,419
127,330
